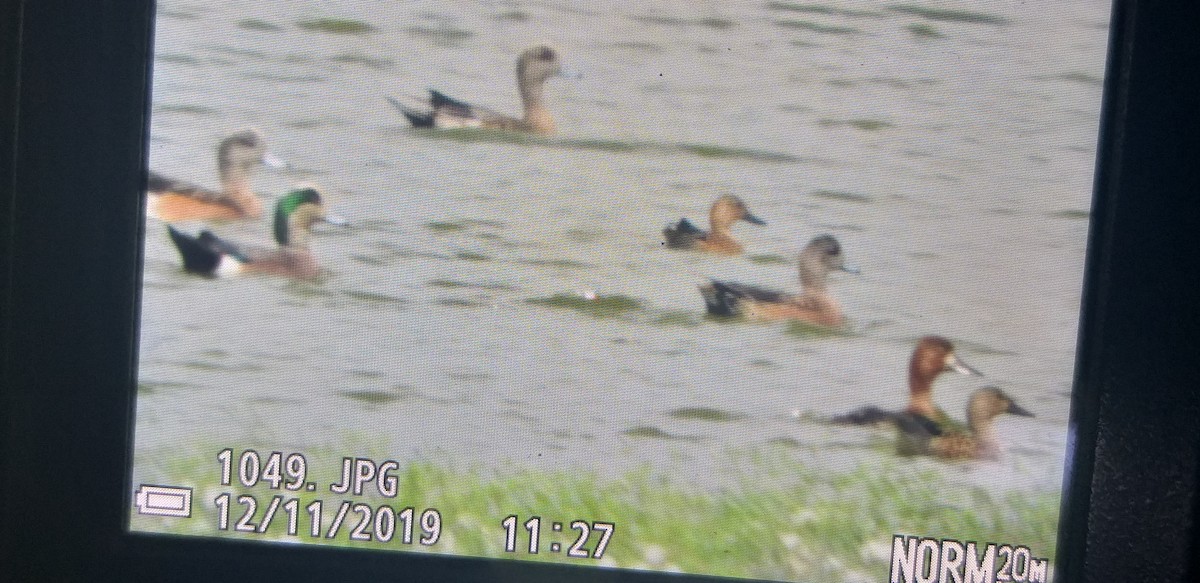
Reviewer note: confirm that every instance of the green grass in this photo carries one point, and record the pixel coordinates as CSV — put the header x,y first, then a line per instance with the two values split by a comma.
x,y
599,307
707,22
444,226
362,60
471,256
371,297
805,523
842,196
949,15
816,27
924,31
705,414
805,330
188,109
442,36
768,259
866,125
820,9
472,135
513,16
337,26
257,24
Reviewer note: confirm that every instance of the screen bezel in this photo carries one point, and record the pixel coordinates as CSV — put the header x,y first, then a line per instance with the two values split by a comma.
x,y
76,97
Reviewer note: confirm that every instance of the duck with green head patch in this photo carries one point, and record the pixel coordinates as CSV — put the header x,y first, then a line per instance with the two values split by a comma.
x,y
295,214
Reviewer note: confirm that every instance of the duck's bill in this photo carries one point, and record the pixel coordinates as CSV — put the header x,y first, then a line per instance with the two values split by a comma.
x,y
272,161
570,73
1015,409
851,269
337,220
957,365
749,218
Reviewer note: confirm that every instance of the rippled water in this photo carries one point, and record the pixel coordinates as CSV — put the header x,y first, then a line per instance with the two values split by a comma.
x,y
951,156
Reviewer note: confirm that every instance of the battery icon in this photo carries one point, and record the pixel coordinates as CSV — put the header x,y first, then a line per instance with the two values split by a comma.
x,y
163,500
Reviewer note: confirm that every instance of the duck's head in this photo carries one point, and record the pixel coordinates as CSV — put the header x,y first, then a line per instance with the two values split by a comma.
x,y
243,150
822,255
729,209
933,356
536,64
295,214
990,402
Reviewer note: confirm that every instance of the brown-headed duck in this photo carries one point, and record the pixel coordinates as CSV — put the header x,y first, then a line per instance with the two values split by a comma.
x,y
726,211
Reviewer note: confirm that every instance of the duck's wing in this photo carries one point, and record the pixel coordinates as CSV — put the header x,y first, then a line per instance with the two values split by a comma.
x,y
915,433
683,235
724,298
449,113
867,415
158,184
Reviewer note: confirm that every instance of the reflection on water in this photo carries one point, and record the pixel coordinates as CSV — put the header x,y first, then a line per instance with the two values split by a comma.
x,y
506,298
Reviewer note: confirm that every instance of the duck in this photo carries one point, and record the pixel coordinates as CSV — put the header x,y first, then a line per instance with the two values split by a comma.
x,y
976,441
726,211
932,356
813,304
534,66
295,213
172,200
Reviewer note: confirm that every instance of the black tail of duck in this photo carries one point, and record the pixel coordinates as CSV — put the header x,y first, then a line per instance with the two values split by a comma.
x,y
418,119
203,253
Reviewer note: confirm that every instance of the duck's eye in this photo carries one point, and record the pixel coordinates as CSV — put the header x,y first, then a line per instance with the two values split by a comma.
x,y
546,54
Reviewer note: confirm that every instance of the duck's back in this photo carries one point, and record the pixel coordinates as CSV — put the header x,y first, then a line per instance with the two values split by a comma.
x,y
682,235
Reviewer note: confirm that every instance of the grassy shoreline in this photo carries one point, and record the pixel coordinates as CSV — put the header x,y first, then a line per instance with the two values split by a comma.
x,y
820,527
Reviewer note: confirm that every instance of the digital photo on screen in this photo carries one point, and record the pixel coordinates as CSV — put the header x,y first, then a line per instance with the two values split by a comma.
x,y
773,290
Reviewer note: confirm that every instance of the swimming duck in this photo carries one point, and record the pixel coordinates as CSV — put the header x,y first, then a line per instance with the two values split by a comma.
x,y
534,67
977,441
295,213
726,211
813,305
932,356
173,200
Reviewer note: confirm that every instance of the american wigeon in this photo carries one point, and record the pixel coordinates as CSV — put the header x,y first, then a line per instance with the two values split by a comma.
x,y
295,213
534,67
976,441
813,304
726,211
173,200
932,356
